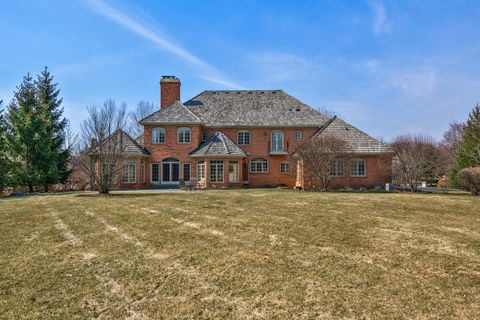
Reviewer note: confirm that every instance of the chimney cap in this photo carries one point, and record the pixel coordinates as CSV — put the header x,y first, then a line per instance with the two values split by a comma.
x,y
169,79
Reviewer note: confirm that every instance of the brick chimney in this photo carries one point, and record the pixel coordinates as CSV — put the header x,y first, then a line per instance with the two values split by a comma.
x,y
169,90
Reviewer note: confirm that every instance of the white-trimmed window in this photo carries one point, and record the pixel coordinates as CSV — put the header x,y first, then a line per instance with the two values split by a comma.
x,y
204,136
337,168
216,171
298,135
183,135
358,168
155,172
128,172
186,172
277,140
158,135
243,138
142,171
259,165
285,167
200,170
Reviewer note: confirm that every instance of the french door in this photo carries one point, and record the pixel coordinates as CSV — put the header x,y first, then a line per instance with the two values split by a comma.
x,y
170,171
234,172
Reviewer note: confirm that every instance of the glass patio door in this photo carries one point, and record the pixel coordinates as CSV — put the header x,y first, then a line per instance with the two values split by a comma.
x,y
234,172
170,171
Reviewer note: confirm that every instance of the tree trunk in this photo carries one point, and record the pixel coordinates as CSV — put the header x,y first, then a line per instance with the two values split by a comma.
x,y
45,187
30,188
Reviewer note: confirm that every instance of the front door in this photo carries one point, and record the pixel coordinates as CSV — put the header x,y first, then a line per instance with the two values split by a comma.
x,y
170,171
234,172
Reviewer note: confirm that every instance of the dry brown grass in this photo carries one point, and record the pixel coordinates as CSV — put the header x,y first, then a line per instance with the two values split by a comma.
x,y
243,254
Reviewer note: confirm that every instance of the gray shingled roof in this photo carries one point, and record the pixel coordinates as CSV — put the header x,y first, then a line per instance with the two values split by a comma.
x,y
127,145
218,145
358,140
175,112
253,108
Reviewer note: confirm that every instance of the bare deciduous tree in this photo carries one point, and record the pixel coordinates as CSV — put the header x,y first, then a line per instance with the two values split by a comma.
x,y
416,157
142,110
318,155
449,146
102,144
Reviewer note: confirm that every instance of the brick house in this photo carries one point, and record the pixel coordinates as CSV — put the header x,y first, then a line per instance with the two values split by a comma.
x,y
241,138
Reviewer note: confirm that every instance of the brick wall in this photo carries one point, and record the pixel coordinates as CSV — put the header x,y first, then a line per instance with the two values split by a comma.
x,y
169,91
378,167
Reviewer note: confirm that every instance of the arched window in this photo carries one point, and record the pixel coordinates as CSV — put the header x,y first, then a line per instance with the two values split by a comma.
x,y
183,135
158,135
259,165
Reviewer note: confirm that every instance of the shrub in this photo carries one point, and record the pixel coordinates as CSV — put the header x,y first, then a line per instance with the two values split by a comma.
x,y
470,178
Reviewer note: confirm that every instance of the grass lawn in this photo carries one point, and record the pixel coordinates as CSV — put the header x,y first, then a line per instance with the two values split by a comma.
x,y
241,254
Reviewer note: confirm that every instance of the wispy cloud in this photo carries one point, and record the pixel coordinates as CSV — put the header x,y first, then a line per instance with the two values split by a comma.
x,y
90,64
149,32
416,83
382,24
282,66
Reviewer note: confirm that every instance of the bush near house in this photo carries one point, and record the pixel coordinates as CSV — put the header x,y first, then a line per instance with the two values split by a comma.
x,y
470,179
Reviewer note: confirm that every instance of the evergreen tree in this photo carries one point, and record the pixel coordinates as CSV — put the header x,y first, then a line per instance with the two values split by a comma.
x,y
4,162
469,150
25,128
54,154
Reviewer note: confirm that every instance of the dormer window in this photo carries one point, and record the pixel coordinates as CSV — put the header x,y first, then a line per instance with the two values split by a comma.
x,y
158,135
183,135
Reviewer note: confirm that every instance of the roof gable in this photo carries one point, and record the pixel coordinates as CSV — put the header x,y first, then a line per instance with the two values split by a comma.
x,y
268,108
358,140
218,145
175,112
127,146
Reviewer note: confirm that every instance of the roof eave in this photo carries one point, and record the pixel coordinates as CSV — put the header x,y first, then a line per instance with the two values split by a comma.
x,y
170,123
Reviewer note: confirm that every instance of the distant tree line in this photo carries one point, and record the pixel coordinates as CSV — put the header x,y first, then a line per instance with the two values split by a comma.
x,y
452,162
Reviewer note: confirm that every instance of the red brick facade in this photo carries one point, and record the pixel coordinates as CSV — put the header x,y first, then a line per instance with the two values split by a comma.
x,y
377,167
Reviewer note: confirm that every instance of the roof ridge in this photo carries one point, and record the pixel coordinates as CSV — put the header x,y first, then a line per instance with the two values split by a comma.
x,y
224,141
209,145
190,111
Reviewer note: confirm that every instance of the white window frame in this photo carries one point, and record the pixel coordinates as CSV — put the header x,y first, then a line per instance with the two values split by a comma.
x,y
298,135
337,168
156,136
216,173
142,171
159,173
204,136
355,166
129,176
283,165
241,141
189,171
274,143
200,170
259,165
182,135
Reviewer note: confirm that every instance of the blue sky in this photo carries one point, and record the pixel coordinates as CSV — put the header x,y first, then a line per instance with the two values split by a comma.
x,y
387,67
